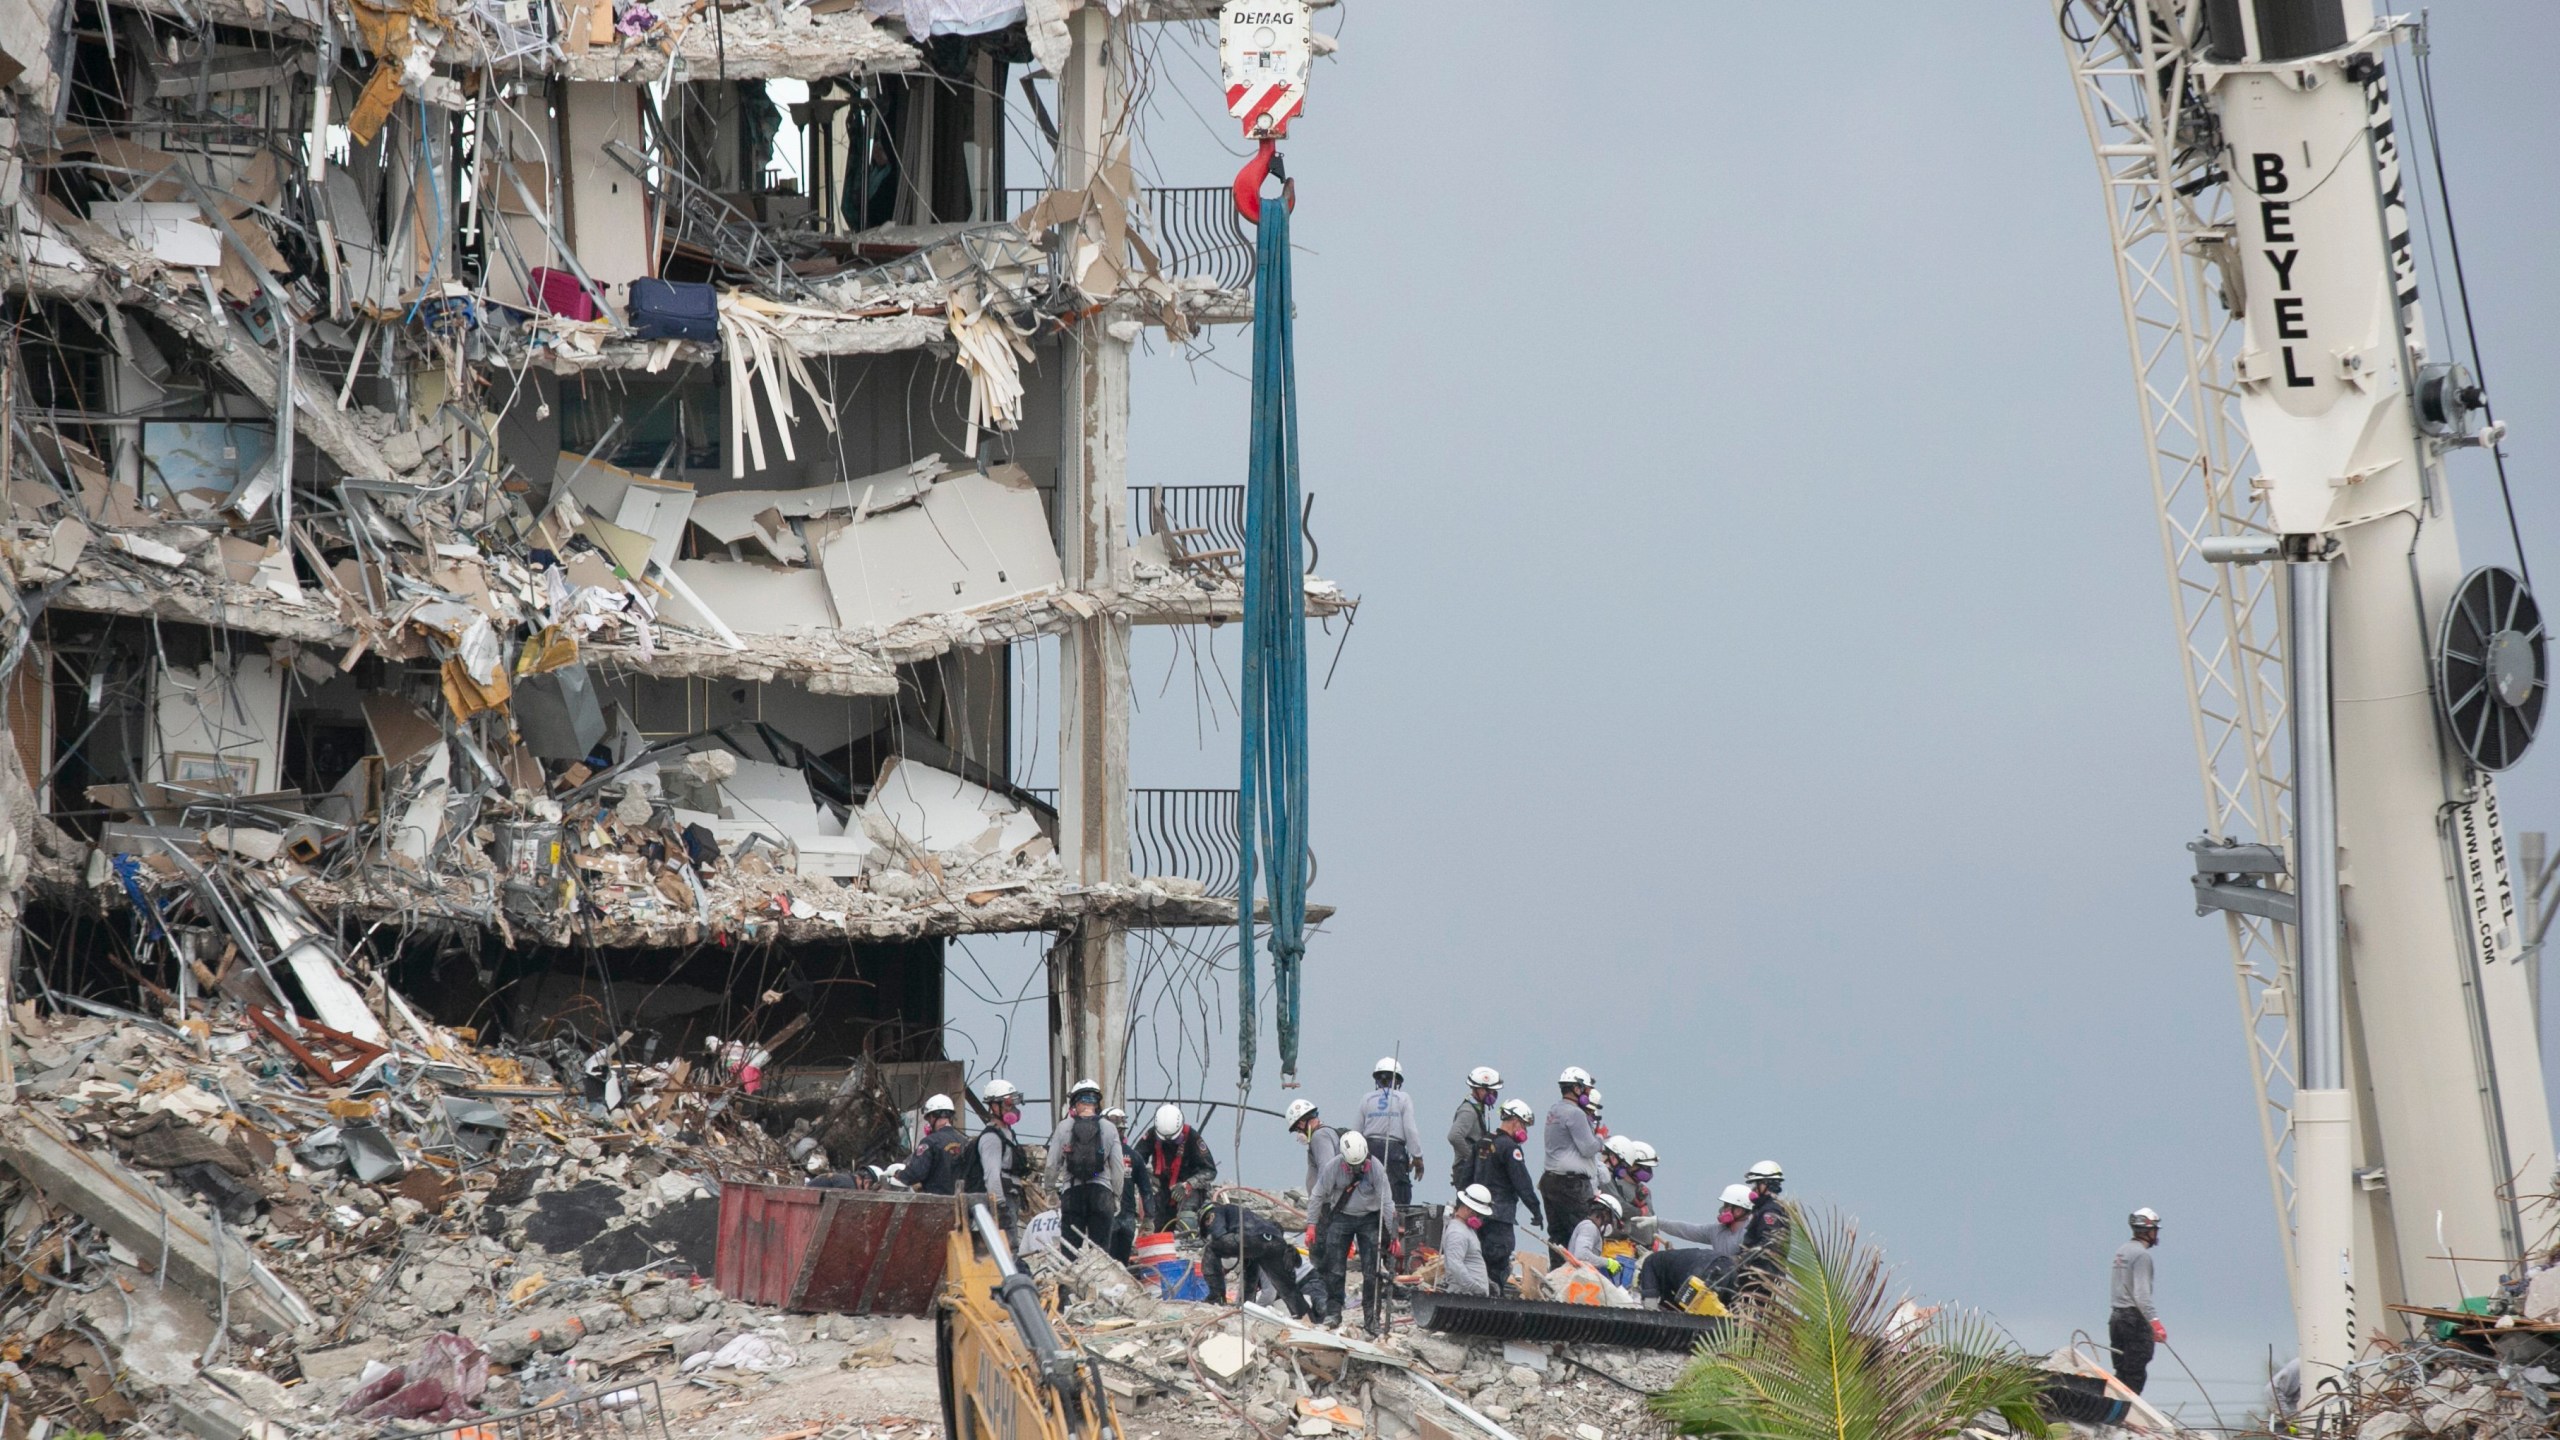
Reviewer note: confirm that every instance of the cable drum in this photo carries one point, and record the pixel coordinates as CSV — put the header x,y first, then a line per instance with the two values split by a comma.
x,y
2493,667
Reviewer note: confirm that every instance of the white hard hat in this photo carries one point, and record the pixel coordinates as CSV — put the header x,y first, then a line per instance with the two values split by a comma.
x,y
1518,1110
1765,1170
1616,1210
1116,1115
938,1105
1298,1110
1355,1148
1643,1154
1574,1075
2146,1218
1477,1198
1387,1066
1620,1146
1485,1077
1168,1120
1595,1098
1737,1196
1000,1090
1085,1087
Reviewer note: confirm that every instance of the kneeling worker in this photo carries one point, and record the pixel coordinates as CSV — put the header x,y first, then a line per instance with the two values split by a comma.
x,y
1716,1260
1265,1256
1462,1269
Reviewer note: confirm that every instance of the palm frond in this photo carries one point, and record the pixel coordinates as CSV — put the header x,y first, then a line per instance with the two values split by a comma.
x,y
1818,1357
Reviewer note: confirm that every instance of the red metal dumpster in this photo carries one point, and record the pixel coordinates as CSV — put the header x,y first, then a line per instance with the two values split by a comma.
x,y
856,1252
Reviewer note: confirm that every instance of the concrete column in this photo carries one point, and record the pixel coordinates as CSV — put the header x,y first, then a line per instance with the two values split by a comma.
x,y
1089,1013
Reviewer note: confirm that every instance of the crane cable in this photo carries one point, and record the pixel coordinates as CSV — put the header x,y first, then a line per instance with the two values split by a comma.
x,y
1271,799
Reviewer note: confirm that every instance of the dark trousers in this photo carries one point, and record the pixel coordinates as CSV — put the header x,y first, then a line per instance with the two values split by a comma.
x,y
1499,1239
1273,1261
1087,1213
2130,1336
1566,1196
1399,1163
1666,1275
1333,1258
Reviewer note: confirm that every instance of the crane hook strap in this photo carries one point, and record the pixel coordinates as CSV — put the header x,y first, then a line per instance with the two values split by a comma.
x,y
1266,161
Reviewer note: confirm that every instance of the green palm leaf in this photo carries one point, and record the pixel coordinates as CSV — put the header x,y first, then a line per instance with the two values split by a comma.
x,y
1818,1358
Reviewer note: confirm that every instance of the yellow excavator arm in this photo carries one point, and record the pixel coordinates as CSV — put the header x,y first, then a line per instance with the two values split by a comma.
x,y
1006,1374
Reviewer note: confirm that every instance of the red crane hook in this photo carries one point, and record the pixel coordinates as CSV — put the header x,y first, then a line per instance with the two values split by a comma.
x,y
1248,187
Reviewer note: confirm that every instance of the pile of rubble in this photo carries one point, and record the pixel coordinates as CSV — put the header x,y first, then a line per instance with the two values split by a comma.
x,y
2444,1390
204,1207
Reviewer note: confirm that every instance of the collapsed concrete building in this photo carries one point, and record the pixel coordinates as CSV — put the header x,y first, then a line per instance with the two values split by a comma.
x,y
478,526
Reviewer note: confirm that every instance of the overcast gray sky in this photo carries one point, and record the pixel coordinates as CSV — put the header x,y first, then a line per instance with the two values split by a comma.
x,y
1766,694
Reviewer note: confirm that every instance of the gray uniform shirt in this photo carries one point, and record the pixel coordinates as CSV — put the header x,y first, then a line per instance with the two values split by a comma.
x,y
1323,1143
1115,1165
1725,1240
1388,1115
1570,1141
1585,1245
1339,1193
1462,1269
2129,1280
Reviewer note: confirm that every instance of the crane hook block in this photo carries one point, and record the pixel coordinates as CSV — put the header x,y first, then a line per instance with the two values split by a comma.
x,y
1265,50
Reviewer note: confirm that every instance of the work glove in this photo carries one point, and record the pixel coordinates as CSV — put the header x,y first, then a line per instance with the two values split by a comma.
x,y
1417,1167
2159,1332
1311,1240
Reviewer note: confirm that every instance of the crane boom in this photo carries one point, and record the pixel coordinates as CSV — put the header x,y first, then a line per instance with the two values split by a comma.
x,y
2351,687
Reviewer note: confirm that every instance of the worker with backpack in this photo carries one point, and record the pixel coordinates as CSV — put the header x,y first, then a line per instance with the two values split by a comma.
x,y
1471,1129
997,1162
1087,1168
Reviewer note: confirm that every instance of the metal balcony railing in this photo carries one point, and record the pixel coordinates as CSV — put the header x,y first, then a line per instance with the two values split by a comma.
x,y
1193,230
1204,517
1189,833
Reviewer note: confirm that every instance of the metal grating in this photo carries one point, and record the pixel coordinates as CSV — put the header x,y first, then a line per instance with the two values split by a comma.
x,y
1193,230
2168,210
1498,1318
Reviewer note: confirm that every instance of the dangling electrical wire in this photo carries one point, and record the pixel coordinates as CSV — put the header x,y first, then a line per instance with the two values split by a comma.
x,y
1271,818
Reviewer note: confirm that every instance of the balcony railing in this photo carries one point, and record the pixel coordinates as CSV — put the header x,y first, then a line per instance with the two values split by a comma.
x,y
1189,833
1193,230
1204,517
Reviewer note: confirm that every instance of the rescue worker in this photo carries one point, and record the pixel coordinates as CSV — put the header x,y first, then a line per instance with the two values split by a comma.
x,y
1714,1254
1617,1164
1353,1196
1571,1170
1596,1223
1462,1269
1323,1142
941,1161
1133,1192
2133,1327
1264,1255
1386,1121
1504,1174
997,1162
1178,1169
1764,1245
1471,1129
1087,1167
1636,1186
